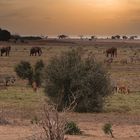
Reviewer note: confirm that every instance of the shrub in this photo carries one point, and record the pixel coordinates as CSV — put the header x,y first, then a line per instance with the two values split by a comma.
x,y
72,128
38,72
70,76
24,71
107,128
4,35
33,74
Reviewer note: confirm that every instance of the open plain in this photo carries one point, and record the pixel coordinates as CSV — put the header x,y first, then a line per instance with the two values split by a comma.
x,y
19,104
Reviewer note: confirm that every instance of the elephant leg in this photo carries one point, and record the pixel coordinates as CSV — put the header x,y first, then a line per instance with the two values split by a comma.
x,y
112,54
107,54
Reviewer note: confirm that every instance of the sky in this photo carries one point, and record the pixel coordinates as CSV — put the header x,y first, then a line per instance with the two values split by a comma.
x,y
71,17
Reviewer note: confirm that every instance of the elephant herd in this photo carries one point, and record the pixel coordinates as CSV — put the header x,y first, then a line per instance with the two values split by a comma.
x,y
34,51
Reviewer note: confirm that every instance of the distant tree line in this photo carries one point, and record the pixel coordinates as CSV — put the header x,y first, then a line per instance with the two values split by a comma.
x,y
123,37
17,37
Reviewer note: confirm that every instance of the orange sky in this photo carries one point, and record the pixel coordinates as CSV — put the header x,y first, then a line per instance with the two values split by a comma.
x,y
72,17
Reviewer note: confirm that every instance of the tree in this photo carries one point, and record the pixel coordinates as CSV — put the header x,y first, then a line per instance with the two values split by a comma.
x,y
70,76
117,36
93,37
62,36
124,37
132,37
33,74
4,35
81,37
113,37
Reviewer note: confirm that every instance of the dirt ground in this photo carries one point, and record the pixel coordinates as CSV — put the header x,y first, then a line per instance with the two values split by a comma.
x,y
125,127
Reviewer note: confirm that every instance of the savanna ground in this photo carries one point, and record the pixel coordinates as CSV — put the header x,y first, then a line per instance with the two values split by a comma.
x,y
19,104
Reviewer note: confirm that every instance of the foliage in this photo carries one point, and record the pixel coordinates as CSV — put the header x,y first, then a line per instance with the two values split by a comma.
x,y
4,35
107,128
72,128
62,36
70,76
31,37
38,72
25,71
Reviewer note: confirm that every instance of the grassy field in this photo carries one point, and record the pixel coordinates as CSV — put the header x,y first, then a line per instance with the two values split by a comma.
x,y
27,102
20,96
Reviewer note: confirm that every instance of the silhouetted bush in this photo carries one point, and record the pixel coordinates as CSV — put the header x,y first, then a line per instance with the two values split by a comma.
x,y
70,77
4,35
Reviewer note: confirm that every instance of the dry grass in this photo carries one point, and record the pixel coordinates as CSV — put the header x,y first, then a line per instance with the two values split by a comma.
x,y
123,111
20,96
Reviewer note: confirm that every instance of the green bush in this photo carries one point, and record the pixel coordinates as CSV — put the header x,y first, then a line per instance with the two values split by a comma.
x,y
70,77
33,74
107,128
25,71
72,129
38,72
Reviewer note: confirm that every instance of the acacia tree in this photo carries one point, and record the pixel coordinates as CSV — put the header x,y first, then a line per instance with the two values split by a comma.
x,y
70,75
62,36
33,74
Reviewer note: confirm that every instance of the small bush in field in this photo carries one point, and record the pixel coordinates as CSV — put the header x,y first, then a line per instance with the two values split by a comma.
x,y
35,120
70,76
33,74
72,128
24,71
107,128
3,121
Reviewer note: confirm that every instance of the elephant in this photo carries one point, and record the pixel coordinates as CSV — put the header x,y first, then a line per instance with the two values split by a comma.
x,y
35,51
5,50
112,51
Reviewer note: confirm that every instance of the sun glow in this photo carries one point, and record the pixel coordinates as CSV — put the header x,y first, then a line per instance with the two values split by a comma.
x,y
107,1
106,4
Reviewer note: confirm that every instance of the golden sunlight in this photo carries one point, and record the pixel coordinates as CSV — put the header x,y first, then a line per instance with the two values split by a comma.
x,y
106,3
